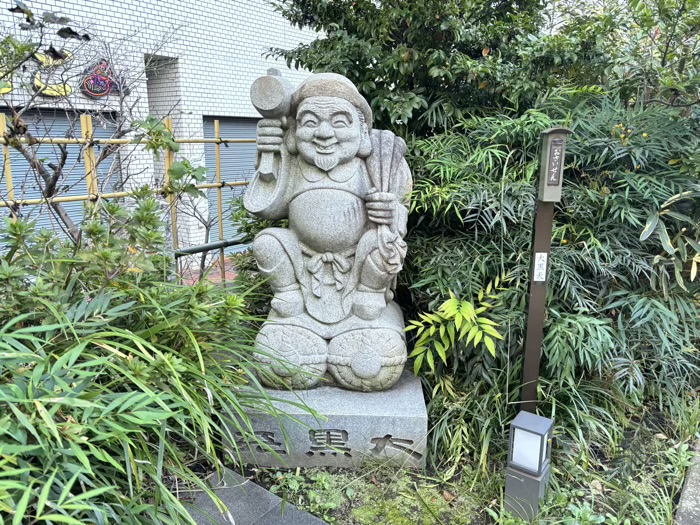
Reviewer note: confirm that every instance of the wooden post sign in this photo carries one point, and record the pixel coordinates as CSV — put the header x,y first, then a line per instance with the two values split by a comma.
x,y
553,150
552,153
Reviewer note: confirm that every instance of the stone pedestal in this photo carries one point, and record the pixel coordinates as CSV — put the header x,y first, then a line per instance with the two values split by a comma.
x,y
389,426
688,512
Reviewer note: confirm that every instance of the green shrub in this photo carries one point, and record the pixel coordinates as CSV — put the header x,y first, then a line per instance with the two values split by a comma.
x,y
426,64
119,389
623,322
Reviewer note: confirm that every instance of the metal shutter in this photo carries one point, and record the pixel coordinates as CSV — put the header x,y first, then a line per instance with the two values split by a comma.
x,y
237,164
28,183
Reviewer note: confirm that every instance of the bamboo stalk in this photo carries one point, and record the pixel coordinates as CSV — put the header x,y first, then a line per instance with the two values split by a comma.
x,y
169,159
69,198
7,164
211,185
89,156
50,140
220,202
115,195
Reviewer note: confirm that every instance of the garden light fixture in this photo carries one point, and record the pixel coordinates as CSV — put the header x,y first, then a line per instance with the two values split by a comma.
x,y
529,455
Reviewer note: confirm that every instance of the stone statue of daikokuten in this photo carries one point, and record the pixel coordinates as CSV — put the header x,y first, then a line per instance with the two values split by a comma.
x,y
344,188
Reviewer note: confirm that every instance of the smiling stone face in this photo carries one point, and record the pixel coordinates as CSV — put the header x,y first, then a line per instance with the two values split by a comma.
x,y
328,131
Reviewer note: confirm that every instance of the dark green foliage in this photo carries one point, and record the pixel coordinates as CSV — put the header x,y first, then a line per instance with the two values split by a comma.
x,y
471,92
425,64
623,322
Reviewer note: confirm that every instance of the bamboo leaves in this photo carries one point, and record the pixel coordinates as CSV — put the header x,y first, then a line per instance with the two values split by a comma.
x,y
650,226
456,330
114,385
676,248
665,239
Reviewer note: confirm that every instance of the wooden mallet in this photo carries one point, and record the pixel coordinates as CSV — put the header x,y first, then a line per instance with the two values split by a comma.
x,y
271,95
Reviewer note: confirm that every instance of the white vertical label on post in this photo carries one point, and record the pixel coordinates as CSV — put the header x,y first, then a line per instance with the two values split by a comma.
x,y
555,158
540,267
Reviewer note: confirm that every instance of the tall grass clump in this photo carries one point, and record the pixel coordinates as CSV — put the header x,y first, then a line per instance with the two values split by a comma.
x,y
120,390
622,326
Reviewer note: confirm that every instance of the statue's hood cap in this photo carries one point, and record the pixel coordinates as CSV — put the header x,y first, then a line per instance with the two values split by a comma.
x,y
331,85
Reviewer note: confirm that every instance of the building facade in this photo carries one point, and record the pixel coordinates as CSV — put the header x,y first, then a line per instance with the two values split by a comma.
x,y
193,61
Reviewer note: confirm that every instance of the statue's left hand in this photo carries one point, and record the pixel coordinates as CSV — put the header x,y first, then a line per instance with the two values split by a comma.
x,y
381,207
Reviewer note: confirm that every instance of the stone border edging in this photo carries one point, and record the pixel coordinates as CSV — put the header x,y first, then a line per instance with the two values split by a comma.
x,y
248,504
688,512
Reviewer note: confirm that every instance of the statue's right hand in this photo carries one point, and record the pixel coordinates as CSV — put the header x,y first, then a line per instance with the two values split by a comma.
x,y
270,135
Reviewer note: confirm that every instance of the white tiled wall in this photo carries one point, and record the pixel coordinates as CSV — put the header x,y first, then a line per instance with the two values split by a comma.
x,y
219,43
219,47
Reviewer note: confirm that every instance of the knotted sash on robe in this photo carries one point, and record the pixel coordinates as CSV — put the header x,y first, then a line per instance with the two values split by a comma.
x,y
340,264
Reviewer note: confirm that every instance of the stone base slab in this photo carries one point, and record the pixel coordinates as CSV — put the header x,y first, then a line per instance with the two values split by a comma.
x,y
389,426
